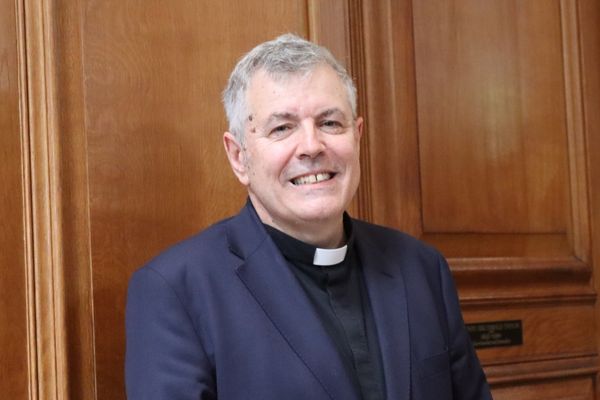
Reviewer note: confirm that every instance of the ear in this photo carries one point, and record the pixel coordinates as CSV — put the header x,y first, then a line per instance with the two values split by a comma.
x,y
359,126
236,156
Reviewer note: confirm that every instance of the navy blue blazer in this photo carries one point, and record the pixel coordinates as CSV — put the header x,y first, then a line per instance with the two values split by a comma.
x,y
221,315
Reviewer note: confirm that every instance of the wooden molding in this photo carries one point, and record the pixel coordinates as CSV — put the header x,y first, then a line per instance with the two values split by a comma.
x,y
27,201
364,204
59,262
579,232
536,371
45,301
496,281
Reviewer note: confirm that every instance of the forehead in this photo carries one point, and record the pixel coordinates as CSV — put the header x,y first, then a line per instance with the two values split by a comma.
x,y
297,93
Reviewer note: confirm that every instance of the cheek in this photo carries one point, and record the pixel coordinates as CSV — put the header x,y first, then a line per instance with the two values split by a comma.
x,y
276,159
266,162
350,153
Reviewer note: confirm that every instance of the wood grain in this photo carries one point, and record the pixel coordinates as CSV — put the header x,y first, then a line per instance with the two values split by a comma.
x,y
551,331
588,13
391,115
154,72
554,389
46,305
531,372
492,169
491,116
14,331
481,137
485,281
68,199
456,245
579,218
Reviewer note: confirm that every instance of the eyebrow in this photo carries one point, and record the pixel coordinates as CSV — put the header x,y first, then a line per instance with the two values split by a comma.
x,y
291,116
279,116
331,111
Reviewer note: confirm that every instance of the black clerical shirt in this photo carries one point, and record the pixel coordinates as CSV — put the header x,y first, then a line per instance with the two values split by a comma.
x,y
341,302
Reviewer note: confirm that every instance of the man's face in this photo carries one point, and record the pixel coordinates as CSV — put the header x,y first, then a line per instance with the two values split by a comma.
x,y
300,159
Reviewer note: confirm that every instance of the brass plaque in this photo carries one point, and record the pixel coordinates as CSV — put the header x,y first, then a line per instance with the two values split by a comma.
x,y
496,333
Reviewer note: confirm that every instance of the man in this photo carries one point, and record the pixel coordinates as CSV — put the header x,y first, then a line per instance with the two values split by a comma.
x,y
291,298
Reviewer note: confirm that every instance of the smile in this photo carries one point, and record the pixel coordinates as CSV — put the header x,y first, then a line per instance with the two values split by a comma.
x,y
314,178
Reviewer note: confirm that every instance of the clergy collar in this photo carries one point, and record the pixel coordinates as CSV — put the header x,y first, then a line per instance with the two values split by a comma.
x,y
297,250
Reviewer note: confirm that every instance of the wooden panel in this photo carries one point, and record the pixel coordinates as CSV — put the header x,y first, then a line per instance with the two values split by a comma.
x,y
589,17
491,114
552,330
333,36
542,245
558,389
154,72
391,127
14,370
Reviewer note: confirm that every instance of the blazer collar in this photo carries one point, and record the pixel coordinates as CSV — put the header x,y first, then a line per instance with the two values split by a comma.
x,y
265,273
387,296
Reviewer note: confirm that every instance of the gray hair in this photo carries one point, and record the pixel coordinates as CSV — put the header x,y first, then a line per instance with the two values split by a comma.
x,y
286,55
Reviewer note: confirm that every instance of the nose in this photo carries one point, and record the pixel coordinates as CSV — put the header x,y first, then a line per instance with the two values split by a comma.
x,y
310,142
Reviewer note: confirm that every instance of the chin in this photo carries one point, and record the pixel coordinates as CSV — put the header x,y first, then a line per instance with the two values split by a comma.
x,y
321,213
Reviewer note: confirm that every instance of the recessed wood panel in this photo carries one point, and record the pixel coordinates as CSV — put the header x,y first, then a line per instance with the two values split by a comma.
x,y
551,330
391,123
153,74
491,116
14,376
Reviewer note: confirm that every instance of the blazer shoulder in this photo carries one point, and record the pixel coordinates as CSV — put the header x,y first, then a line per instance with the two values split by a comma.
x,y
201,251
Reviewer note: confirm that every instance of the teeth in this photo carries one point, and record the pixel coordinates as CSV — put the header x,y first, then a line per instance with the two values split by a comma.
x,y
303,180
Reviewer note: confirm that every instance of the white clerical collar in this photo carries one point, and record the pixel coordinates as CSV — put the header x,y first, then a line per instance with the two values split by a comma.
x,y
325,257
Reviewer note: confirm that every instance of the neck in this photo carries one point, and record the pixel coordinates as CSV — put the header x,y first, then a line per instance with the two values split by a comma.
x,y
322,234
317,234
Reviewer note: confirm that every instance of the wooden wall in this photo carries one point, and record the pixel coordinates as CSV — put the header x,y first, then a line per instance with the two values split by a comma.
x,y
482,119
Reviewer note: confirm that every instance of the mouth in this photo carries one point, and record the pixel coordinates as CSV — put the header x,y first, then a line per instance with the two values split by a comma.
x,y
312,178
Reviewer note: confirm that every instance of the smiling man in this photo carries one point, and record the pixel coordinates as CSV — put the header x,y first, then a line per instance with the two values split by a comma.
x,y
300,156
292,298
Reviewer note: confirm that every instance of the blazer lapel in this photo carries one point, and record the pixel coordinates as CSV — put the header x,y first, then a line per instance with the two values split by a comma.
x,y
267,276
387,295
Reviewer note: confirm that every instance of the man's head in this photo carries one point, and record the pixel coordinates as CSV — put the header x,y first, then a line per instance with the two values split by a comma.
x,y
294,137
281,58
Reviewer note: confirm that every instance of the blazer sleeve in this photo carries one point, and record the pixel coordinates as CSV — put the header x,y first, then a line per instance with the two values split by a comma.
x,y
164,356
468,378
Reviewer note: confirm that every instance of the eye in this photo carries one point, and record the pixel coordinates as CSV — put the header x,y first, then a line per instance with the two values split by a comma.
x,y
281,130
332,126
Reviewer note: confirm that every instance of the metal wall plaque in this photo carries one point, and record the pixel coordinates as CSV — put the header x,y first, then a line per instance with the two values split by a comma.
x,y
496,333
